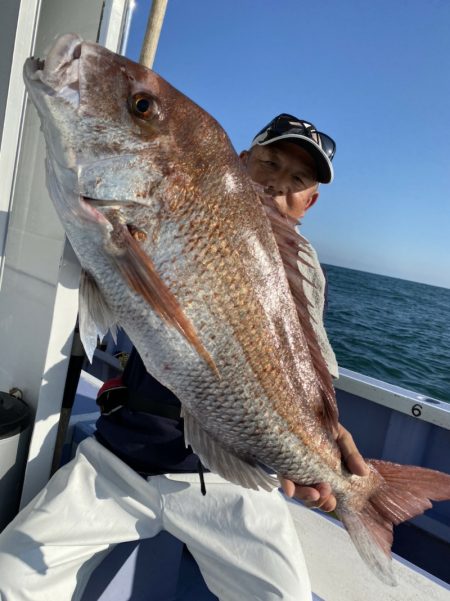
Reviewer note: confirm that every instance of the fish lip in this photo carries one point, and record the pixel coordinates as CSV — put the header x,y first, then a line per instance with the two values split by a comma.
x,y
91,212
32,70
92,208
57,75
101,203
105,204
32,65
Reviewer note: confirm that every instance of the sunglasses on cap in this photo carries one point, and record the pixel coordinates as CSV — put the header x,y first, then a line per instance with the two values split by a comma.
x,y
288,124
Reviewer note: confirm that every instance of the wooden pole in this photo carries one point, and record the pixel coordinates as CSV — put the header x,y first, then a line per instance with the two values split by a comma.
x,y
151,38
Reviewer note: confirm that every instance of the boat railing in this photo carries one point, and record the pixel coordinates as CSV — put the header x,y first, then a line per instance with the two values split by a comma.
x,y
419,406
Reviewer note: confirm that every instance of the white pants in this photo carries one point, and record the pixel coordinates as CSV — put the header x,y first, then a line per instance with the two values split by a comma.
x,y
244,541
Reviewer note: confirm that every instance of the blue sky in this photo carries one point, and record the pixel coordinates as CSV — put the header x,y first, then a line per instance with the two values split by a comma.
x,y
373,75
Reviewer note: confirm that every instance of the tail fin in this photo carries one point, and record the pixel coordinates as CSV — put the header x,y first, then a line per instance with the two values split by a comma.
x,y
405,493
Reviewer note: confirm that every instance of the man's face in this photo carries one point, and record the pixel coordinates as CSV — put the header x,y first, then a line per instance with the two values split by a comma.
x,y
287,173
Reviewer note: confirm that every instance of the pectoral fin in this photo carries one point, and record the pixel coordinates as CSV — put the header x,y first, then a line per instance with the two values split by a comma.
x,y
95,316
222,461
138,271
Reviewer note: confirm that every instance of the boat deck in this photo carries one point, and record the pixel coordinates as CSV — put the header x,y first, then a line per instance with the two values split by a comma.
x,y
337,573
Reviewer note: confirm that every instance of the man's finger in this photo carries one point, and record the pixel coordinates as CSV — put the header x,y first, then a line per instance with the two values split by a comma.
x,y
327,506
302,493
314,496
327,501
357,465
350,454
307,494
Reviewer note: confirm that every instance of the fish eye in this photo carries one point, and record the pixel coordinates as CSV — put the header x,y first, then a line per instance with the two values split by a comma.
x,y
143,106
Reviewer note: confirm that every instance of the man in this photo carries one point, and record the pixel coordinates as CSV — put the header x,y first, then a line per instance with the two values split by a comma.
x,y
244,541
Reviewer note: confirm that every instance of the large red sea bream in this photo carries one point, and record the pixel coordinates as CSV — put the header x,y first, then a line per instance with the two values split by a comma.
x,y
177,248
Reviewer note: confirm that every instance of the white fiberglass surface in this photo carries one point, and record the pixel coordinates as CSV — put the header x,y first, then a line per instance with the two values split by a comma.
x,y
39,287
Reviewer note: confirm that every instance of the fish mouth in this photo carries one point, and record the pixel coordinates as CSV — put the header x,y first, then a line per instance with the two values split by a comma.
x,y
101,212
90,211
97,209
102,204
58,74
113,221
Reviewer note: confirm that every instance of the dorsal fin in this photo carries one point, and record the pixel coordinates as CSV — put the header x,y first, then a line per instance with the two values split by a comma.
x,y
289,242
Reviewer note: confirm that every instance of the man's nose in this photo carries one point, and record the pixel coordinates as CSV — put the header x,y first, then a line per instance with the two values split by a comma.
x,y
278,188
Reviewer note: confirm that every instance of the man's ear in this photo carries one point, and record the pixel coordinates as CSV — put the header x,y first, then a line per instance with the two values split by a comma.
x,y
244,157
312,200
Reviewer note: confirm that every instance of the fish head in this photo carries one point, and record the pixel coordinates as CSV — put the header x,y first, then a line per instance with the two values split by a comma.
x,y
119,137
135,169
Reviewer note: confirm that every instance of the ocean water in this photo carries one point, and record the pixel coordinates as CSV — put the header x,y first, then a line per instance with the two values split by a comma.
x,y
391,329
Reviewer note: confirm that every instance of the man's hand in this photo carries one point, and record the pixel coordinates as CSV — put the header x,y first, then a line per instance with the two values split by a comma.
x,y
320,495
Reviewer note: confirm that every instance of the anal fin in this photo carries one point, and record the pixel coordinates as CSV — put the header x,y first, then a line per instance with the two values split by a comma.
x,y
222,461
